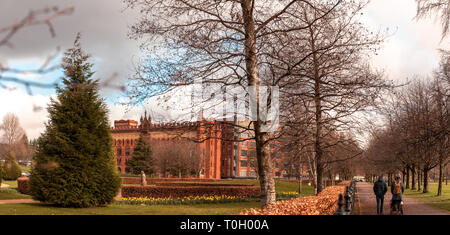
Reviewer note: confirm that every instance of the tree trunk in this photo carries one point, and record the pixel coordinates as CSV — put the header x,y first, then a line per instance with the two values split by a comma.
x,y
262,149
313,172
266,180
425,180
407,177
439,192
300,180
403,176
300,185
446,175
413,178
319,179
419,179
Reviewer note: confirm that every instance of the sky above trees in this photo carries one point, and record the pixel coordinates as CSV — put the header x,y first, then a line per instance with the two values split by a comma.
x,y
410,50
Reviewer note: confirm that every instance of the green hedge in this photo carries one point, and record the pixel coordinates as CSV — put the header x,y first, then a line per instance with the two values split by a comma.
x,y
188,184
180,192
137,180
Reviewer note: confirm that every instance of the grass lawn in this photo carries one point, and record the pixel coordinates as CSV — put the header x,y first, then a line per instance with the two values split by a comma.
x,y
26,168
123,209
120,209
430,198
11,191
11,183
280,186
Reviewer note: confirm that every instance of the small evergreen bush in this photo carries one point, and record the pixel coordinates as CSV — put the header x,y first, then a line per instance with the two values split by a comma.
x,y
11,169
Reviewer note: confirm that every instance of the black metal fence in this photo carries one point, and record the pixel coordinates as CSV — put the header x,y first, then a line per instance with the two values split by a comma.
x,y
346,201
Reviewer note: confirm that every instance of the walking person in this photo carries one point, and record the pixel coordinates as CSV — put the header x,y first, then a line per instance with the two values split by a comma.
x,y
397,190
380,189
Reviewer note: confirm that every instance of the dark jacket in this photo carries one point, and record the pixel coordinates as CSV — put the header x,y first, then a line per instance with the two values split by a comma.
x,y
380,188
397,196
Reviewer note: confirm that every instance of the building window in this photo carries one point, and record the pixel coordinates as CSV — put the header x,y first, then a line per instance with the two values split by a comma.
x,y
243,173
253,143
244,152
119,142
128,142
119,151
277,165
243,163
245,143
127,151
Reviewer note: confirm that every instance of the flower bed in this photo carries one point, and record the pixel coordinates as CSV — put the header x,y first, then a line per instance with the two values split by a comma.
x,y
323,204
180,192
183,200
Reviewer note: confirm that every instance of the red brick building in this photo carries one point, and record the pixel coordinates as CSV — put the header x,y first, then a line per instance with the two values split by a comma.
x,y
222,158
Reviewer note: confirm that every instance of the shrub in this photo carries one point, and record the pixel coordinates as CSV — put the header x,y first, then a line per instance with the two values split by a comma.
x,y
179,192
23,185
11,169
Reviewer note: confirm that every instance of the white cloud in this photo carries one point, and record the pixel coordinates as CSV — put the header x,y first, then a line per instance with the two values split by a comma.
x,y
412,48
31,110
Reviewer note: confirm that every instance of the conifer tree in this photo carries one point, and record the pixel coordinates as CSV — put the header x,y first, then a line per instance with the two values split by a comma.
x,y
74,160
142,159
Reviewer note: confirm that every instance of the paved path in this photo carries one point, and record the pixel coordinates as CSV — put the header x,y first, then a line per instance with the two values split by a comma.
x,y
368,203
17,201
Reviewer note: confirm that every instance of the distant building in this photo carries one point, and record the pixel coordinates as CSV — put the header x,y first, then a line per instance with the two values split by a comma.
x,y
222,157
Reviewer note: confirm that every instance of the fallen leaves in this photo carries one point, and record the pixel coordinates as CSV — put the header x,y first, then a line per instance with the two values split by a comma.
x,y
325,203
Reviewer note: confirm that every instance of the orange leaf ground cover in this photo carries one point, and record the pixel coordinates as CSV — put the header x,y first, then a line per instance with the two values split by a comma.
x,y
325,203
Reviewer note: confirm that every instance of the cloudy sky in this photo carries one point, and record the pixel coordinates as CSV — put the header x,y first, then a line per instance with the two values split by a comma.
x,y
410,50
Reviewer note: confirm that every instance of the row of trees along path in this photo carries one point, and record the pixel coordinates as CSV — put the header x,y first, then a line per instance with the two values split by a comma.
x,y
368,204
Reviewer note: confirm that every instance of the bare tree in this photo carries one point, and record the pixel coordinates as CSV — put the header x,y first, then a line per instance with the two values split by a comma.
x,y
416,137
439,7
180,157
333,86
44,16
12,131
224,43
